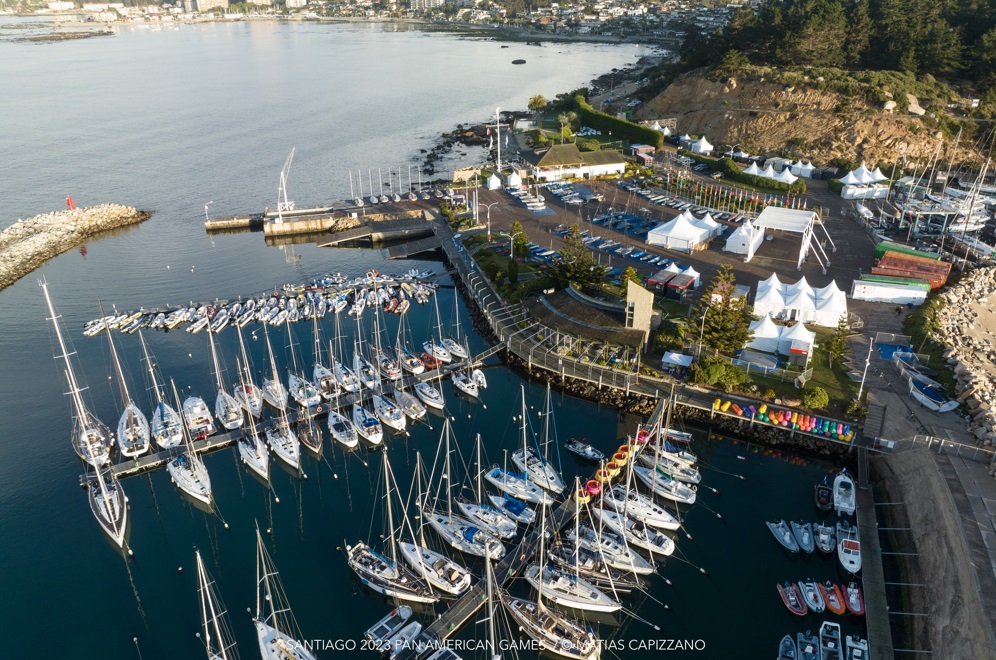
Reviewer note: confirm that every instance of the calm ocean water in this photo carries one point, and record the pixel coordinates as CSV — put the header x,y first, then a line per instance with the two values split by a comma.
x,y
172,120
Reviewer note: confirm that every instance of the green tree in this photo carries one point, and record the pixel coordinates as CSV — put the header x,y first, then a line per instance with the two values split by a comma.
x,y
815,398
537,104
630,275
576,265
565,119
837,345
670,336
513,271
724,320
520,242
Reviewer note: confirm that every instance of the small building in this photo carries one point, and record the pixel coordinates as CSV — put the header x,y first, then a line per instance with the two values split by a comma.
x,y
679,286
637,149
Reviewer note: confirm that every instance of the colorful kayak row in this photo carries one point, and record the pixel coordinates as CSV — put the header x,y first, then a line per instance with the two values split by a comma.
x,y
795,420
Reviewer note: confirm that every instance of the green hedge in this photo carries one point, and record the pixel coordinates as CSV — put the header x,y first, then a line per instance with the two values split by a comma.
x,y
732,172
835,186
620,128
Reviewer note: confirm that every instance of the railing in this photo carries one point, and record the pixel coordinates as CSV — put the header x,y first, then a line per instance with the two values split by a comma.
x,y
954,448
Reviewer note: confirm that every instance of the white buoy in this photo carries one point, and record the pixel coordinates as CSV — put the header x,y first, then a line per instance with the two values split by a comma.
x,y
131,553
277,500
180,569
335,475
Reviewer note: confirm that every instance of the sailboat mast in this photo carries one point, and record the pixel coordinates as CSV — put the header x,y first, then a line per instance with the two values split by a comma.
x,y
74,388
214,360
152,373
125,399
449,502
209,613
390,516
245,359
479,491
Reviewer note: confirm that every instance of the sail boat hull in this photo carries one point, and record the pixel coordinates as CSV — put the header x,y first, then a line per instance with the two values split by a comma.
x,y
342,430
429,395
274,645
253,452
110,507
285,445
570,591
166,426
250,397
367,425
190,475
410,404
548,627
385,576
92,440
133,432
438,570
228,411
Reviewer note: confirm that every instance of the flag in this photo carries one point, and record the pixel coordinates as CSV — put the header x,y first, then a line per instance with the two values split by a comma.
x,y
491,143
489,130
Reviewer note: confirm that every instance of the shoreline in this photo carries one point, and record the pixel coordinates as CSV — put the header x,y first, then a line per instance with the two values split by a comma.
x,y
27,244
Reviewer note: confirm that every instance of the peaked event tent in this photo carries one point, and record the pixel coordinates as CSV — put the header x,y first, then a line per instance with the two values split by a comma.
x,y
514,180
706,222
701,146
753,169
785,176
494,183
796,336
765,335
769,172
678,234
745,240
691,272
800,302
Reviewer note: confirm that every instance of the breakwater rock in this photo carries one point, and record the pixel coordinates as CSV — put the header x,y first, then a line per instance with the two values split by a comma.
x,y
27,244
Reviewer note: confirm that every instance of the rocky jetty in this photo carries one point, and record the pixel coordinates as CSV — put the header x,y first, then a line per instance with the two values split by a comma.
x,y
27,244
967,324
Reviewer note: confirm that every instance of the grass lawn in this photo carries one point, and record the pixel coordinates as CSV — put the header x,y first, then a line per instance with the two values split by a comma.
x,y
489,256
673,309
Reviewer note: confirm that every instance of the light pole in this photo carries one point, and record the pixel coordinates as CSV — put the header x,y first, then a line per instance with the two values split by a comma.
x,y
511,243
206,210
698,353
487,207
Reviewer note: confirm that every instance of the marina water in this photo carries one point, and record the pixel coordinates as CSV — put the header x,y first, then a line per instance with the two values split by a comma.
x,y
172,120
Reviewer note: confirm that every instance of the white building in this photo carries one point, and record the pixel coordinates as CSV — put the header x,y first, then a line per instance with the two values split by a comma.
x,y
565,161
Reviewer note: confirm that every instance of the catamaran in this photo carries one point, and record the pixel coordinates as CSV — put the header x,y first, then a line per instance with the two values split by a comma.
x,y
167,427
133,427
91,439
219,642
247,393
187,470
276,628
226,408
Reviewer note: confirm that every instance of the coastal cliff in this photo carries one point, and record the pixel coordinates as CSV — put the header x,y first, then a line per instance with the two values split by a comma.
x,y
27,244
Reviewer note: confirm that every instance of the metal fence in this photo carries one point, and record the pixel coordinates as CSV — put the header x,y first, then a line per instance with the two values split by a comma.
x,y
944,446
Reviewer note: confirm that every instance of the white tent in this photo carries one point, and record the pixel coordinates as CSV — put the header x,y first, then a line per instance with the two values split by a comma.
x,y
795,168
753,169
769,172
878,176
828,291
690,271
799,306
686,136
830,308
514,180
706,222
806,170
786,177
850,180
666,131
766,335
673,268
494,183
678,234
801,286
863,174
771,282
798,336
742,155
769,301
745,240
701,146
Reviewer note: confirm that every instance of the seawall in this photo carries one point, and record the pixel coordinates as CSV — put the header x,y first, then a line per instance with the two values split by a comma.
x,y
27,244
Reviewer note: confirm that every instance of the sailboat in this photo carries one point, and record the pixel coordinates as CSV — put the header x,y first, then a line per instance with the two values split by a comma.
x,y
553,631
493,520
219,642
302,390
366,424
540,471
434,346
439,571
253,451
452,344
430,395
248,394
108,504
197,417
187,470
464,383
382,573
388,367
323,377
456,530
625,499
91,439
611,548
635,532
342,430
226,408
284,442
347,379
391,414
166,423
409,361
133,427
274,392
276,628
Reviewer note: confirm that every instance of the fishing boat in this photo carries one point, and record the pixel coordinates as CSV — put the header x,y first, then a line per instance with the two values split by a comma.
x,y
342,430
665,485
843,494
187,470
812,596
792,598
635,532
569,590
848,547
247,393
384,574
226,408
808,646
580,448
635,504
276,628
825,537
783,534
832,597
856,648
854,599
274,392
389,413
218,639
384,629
198,418
823,494
830,647
513,508
90,439
787,649
429,395
611,548
803,533
465,384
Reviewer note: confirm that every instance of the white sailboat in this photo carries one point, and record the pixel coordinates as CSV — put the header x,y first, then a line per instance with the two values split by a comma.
x,y
347,379
253,451
187,470
274,392
569,590
635,532
541,472
464,383
665,485
492,519
284,442
303,391
513,508
409,361
342,430
133,427
434,346
383,573
108,504
276,628
409,403
322,376
452,344
219,642
91,439
387,365
366,424
167,427
430,395
226,408
612,549
247,393
631,502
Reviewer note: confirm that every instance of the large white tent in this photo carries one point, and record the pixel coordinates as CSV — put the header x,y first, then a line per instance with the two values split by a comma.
x,y
769,172
514,180
796,338
800,302
799,222
785,176
708,223
766,335
769,301
678,234
799,306
494,183
701,146
861,183
804,170
850,179
745,240
753,169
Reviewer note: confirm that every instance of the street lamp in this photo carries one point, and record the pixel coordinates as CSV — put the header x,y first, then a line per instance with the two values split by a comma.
x,y
511,243
487,207
698,353
206,210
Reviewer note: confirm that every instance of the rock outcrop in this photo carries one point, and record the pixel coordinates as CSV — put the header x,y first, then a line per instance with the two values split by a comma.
x,y
27,244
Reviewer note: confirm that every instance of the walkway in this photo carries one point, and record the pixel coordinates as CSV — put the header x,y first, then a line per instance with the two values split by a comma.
x,y
873,579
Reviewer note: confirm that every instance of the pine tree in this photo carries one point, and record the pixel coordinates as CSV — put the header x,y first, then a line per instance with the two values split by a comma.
x,y
630,275
837,345
576,265
724,320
